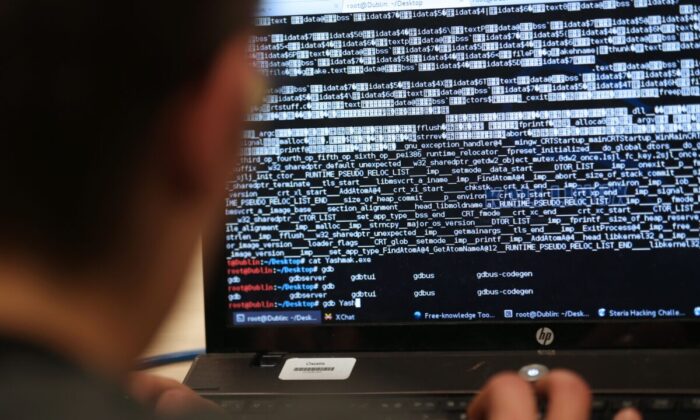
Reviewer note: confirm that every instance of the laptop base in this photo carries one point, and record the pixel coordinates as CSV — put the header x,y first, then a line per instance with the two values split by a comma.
x,y
667,372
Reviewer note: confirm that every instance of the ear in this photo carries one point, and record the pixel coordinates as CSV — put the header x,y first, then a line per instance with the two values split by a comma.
x,y
213,115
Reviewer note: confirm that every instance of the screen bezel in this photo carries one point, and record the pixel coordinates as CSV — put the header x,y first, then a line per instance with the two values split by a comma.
x,y
471,336
464,336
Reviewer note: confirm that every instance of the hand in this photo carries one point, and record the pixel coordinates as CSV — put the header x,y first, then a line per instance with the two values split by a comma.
x,y
509,397
167,397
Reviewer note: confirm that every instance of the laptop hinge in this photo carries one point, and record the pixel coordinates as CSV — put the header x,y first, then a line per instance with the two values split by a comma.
x,y
268,360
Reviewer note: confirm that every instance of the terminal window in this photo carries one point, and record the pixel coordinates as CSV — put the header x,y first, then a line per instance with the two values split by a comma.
x,y
511,162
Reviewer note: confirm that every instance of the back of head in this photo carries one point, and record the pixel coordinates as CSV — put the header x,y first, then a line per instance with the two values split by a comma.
x,y
81,84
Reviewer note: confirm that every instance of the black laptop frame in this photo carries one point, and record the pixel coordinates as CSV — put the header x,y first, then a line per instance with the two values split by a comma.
x,y
443,336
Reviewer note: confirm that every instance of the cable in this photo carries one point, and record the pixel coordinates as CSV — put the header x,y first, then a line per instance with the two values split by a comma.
x,y
168,359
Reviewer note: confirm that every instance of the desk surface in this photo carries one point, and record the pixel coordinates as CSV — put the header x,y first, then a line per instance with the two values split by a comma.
x,y
184,329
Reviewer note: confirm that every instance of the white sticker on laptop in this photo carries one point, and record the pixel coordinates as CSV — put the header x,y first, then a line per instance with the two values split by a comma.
x,y
319,369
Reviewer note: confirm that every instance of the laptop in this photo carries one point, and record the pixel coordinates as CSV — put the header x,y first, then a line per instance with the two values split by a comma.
x,y
437,191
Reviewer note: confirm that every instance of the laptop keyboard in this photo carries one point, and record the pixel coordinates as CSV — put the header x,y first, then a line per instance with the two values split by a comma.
x,y
433,408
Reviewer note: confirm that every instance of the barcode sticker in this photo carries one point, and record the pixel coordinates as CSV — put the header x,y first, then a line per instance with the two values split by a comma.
x,y
317,369
314,369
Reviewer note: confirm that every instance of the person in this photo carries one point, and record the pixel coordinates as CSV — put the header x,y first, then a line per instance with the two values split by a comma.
x,y
120,124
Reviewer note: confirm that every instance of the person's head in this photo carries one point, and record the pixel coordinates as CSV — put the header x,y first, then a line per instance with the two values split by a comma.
x,y
119,126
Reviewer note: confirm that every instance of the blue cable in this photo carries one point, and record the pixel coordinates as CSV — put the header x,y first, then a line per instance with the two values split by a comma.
x,y
168,359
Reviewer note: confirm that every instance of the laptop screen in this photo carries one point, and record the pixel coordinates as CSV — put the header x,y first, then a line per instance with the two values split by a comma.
x,y
469,161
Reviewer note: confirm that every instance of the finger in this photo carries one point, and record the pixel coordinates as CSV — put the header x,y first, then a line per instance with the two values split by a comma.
x,y
568,396
147,389
628,414
506,397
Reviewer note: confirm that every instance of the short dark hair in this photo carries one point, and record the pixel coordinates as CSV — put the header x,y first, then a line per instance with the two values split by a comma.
x,y
81,85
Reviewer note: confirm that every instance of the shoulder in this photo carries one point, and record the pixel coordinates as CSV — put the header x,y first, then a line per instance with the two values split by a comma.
x,y
37,385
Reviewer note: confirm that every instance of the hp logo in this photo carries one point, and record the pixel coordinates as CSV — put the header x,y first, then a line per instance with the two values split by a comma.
x,y
545,336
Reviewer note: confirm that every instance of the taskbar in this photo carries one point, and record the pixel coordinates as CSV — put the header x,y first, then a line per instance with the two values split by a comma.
x,y
318,317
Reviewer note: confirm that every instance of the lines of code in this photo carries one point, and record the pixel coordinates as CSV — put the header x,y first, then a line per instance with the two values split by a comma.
x,y
410,49
550,128
634,81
